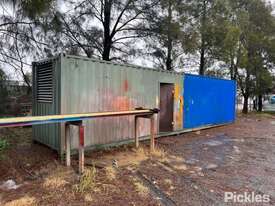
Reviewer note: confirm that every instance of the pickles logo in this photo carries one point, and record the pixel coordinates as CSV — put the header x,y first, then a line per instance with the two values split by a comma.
x,y
246,197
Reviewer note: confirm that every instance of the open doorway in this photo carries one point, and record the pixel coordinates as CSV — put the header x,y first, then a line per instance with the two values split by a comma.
x,y
166,107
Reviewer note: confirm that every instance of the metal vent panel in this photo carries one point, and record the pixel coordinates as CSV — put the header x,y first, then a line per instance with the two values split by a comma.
x,y
45,82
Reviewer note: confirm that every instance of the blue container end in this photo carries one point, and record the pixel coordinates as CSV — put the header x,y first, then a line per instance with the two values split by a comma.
x,y
208,101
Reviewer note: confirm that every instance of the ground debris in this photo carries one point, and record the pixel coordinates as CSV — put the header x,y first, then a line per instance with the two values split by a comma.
x,y
9,185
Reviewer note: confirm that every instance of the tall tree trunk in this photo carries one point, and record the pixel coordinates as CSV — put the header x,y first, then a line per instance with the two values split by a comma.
x,y
107,42
169,39
203,42
260,103
245,104
202,61
231,72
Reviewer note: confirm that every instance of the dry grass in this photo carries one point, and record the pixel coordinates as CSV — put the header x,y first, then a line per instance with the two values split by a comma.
x,y
159,153
23,201
87,181
110,173
140,188
88,198
58,178
180,166
169,183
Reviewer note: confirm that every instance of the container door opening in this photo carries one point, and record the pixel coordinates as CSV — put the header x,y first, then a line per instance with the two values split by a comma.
x,y
166,107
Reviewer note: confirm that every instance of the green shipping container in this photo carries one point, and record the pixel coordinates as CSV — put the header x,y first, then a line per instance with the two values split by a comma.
x,y
71,84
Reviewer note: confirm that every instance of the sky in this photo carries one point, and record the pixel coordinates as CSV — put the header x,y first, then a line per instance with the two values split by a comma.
x,y
138,61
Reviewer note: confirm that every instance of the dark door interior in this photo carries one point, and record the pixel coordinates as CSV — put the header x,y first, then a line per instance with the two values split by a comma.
x,y
166,107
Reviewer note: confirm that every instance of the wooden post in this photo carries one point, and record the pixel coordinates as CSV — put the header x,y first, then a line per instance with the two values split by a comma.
x,y
152,123
136,132
81,149
68,145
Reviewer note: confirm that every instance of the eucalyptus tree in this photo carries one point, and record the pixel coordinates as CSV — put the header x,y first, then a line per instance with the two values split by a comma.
x,y
105,29
254,42
20,39
169,34
201,13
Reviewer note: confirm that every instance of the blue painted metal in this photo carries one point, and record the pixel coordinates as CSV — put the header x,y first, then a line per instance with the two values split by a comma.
x,y
208,101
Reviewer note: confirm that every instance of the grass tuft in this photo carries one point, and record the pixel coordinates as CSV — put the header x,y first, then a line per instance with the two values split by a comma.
x,y
23,201
87,181
140,188
110,173
159,153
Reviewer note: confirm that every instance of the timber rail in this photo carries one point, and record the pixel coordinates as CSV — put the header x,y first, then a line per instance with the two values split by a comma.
x,y
77,120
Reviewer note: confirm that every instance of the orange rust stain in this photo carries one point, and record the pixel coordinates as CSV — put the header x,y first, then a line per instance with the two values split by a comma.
x,y
179,108
121,103
125,85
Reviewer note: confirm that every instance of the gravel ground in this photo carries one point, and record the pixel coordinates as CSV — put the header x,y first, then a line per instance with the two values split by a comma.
x,y
190,169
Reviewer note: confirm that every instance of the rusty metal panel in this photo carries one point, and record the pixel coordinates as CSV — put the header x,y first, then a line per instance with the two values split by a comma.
x,y
89,85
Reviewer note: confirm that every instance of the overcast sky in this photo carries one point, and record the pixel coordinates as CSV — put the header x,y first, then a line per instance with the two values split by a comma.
x,y
139,61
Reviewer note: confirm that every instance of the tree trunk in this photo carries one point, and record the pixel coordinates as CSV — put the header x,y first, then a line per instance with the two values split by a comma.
x,y
260,103
202,61
245,104
107,42
203,43
169,39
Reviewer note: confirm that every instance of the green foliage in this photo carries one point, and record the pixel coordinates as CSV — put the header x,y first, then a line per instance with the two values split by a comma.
x,y
35,8
4,144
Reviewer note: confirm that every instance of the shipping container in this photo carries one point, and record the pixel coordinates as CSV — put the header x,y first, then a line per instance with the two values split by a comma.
x,y
70,84
208,101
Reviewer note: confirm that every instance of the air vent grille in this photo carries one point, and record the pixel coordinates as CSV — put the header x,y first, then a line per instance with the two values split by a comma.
x,y
45,82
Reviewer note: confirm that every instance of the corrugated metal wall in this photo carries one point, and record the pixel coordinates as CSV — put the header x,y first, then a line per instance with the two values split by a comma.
x,y
48,134
208,101
93,86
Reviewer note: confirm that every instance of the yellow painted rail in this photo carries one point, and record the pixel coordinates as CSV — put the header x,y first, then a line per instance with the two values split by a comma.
x,y
34,120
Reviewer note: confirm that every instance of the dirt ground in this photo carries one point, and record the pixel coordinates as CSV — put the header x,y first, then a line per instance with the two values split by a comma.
x,y
188,169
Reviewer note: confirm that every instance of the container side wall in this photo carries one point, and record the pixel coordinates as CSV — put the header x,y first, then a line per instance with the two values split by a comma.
x,y
92,86
48,134
208,101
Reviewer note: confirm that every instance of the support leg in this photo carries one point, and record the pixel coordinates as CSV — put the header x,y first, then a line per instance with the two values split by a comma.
x,y
68,145
152,143
81,149
136,130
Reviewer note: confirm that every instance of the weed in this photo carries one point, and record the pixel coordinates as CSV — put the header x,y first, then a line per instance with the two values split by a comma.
x,y
87,180
4,144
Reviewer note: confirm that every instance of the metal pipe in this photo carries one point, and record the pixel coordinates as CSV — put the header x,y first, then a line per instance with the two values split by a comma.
x,y
35,120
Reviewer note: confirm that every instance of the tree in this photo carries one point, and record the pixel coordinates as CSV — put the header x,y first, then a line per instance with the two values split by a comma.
x,y
201,12
102,28
20,37
3,92
169,34
257,30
